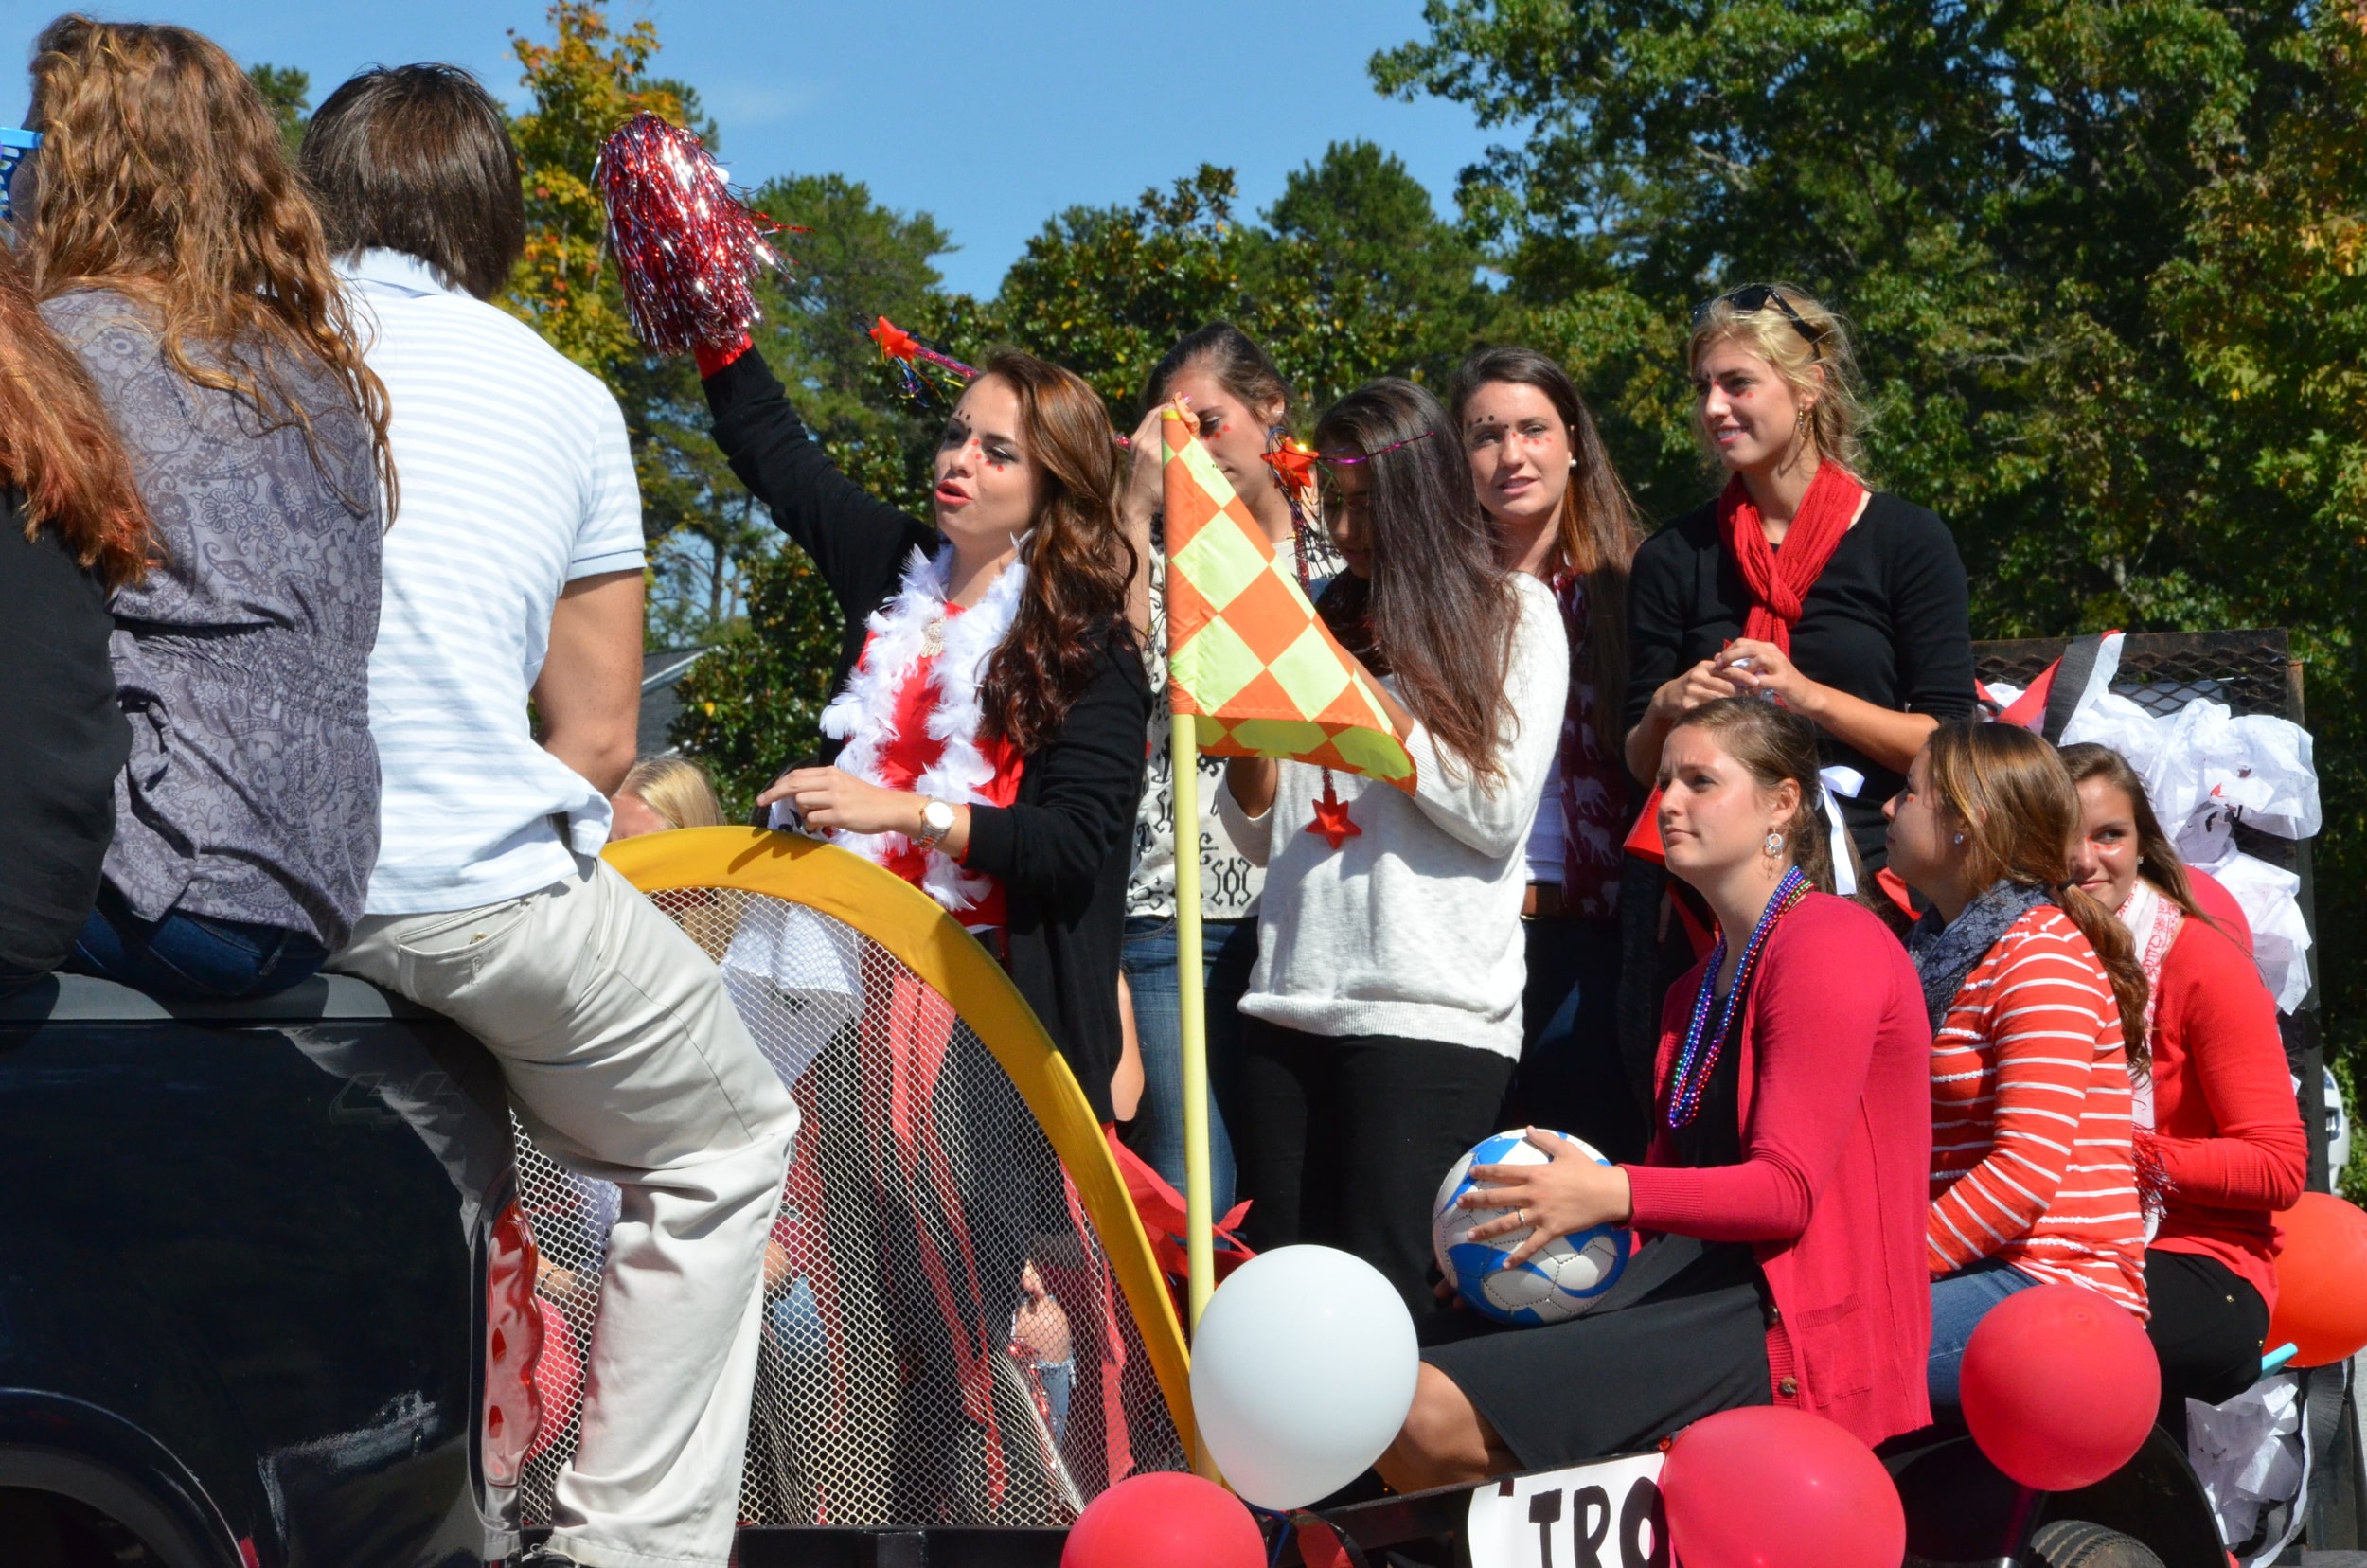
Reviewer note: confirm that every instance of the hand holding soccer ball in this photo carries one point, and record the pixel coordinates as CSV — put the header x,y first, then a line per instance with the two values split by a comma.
x,y
1530,1227
1574,1190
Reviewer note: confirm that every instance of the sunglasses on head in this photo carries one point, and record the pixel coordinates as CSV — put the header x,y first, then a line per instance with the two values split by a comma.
x,y
1758,296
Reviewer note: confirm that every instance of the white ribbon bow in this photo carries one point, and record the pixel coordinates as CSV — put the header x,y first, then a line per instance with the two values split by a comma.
x,y
1847,781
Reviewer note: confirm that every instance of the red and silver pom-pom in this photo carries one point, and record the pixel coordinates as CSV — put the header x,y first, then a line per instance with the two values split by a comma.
x,y
686,246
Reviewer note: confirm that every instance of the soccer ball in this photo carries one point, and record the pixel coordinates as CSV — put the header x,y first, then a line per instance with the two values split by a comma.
x,y
1560,1282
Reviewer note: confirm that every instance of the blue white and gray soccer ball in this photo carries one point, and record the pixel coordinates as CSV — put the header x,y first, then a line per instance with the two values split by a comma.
x,y
1563,1280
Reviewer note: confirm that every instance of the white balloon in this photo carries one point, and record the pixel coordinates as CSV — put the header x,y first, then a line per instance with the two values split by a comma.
x,y
1303,1371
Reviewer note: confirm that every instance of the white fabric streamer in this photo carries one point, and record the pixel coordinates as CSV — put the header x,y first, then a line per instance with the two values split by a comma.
x,y
2204,768
787,951
1835,781
2248,1453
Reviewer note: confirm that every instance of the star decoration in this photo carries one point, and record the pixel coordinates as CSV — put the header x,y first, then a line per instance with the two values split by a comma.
x,y
1293,463
1331,819
894,342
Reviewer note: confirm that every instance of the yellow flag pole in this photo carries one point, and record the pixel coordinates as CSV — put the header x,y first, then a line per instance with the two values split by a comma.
x,y
1192,1015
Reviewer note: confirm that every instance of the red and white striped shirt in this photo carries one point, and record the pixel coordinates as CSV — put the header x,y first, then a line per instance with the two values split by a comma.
x,y
2030,1119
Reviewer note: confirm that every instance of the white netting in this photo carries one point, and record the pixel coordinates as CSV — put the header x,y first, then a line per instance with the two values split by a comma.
x,y
944,1341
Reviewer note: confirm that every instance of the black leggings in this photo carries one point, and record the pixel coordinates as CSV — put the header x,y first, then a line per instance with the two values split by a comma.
x,y
1347,1139
2206,1325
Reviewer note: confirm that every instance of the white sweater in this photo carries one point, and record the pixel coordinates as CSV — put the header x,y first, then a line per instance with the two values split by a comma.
x,y
1412,928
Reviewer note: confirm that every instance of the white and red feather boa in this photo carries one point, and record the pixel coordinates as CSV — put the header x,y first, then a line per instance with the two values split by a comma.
x,y
864,714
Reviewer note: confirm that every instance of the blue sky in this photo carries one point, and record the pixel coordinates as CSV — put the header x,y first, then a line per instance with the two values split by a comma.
x,y
993,118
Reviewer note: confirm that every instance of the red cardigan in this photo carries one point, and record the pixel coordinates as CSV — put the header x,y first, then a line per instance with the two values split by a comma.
x,y
1836,1149
2227,1132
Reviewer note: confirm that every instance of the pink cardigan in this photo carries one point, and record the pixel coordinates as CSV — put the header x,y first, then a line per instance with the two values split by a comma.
x,y
1837,1149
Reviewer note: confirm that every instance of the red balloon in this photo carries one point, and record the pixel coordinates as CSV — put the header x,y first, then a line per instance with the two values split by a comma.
x,y
1164,1521
2060,1386
2322,1281
1770,1487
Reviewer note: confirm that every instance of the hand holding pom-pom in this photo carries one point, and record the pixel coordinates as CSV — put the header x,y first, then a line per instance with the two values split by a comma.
x,y
686,249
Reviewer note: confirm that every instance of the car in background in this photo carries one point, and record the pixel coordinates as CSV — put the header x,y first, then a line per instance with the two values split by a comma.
x,y
261,1284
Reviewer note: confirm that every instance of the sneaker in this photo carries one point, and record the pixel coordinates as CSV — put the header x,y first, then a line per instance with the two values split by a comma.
x,y
543,1556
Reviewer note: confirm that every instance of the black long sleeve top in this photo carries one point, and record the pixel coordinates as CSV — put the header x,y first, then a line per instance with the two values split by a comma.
x,y
67,739
1887,621
1060,849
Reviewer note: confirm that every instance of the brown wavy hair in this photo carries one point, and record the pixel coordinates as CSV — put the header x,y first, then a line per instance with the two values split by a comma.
x,y
1774,744
1079,562
2158,859
58,447
162,177
1437,613
2010,792
1597,528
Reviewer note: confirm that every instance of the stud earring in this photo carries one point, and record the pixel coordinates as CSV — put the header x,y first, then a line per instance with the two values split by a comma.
x,y
1960,838
1774,843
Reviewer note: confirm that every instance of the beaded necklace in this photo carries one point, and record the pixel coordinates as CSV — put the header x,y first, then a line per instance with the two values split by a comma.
x,y
1700,1057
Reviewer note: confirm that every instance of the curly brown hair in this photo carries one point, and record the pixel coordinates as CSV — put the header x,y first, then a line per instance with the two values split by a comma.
x,y
162,176
57,448
1079,560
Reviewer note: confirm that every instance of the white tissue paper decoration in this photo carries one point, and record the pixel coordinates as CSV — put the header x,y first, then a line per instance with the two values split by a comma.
x,y
786,955
2248,1455
2203,768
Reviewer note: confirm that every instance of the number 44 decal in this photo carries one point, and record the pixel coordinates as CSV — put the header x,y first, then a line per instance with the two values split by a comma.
x,y
1603,1515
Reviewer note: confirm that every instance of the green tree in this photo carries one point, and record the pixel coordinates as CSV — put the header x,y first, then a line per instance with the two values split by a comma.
x,y
2102,258
583,84
1355,277
288,93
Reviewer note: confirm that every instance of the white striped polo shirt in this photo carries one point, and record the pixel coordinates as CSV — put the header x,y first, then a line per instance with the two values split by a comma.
x,y
516,479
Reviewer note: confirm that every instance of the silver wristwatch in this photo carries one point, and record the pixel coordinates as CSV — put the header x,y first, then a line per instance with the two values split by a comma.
x,y
937,820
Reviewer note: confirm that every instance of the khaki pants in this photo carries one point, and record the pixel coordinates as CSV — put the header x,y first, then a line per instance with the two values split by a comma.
x,y
627,1063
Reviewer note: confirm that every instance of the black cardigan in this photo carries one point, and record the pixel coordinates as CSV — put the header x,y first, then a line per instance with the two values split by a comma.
x,y
1887,621
67,741
1062,849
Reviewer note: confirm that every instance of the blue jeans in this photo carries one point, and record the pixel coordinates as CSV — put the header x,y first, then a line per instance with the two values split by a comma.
x,y
1228,949
193,957
1959,1302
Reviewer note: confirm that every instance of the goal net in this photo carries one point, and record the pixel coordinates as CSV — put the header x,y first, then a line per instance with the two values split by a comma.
x,y
947,1339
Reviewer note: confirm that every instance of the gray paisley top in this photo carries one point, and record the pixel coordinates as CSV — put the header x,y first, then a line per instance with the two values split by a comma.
x,y
242,662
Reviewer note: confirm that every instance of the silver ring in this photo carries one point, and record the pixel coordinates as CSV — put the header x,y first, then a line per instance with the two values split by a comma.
x,y
1523,1215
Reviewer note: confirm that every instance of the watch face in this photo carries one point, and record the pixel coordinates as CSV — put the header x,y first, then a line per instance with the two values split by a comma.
x,y
938,815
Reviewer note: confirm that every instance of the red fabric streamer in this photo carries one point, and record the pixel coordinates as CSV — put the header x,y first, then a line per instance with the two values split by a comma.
x,y
1778,580
687,250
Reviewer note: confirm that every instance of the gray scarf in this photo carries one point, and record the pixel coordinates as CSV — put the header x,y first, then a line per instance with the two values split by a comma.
x,y
1945,954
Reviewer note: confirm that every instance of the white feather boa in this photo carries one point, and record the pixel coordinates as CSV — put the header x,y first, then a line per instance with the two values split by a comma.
x,y
863,714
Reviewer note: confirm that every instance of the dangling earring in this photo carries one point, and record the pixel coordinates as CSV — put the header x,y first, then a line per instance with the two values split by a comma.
x,y
1774,843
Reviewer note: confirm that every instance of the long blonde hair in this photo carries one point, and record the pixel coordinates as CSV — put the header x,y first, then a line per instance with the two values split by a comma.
x,y
163,177
1810,349
676,789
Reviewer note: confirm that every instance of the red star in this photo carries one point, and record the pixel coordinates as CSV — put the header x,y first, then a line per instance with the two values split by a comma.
x,y
894,342
1332,822
1293,464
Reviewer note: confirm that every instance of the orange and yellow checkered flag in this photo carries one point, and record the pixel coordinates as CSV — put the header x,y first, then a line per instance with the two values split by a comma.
x,y
1248,658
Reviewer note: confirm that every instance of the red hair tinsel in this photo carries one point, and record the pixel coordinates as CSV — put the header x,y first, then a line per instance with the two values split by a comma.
x,y
686,247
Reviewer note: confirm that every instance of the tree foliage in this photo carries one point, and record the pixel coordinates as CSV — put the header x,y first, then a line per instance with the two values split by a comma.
x,y
1353,275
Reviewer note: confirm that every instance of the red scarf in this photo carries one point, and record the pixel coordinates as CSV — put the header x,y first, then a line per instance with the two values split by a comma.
x,y
1778,580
